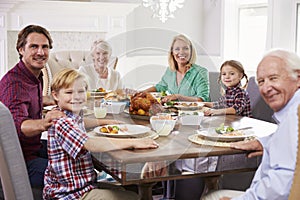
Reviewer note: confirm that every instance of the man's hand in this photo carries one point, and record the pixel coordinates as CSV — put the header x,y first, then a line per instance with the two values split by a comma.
x,y
252,145
32,127
51,115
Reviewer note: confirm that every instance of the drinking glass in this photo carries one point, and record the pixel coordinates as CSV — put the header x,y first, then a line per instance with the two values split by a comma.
x,y
100,109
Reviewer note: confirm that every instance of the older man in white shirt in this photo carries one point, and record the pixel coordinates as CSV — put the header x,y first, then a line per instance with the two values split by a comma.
x,y
278,78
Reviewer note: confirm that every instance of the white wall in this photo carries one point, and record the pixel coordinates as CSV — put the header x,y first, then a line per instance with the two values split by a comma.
x,y
129,27
136,37
73,25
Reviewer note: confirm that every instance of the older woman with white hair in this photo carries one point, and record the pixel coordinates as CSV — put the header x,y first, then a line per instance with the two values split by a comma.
x,y
99,74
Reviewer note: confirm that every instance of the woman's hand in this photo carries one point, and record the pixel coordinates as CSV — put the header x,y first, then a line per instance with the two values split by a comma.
x,y
171,97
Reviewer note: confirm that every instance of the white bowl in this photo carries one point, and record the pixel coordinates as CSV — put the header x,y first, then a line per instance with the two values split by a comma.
x,y
162,126
115,107
191,117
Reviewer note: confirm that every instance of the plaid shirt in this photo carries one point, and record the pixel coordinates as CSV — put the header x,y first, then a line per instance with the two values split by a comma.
x,y
236,98
21,92
70,171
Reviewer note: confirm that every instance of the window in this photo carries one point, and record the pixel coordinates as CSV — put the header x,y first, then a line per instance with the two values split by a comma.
x,y
245,32
252,35
298,30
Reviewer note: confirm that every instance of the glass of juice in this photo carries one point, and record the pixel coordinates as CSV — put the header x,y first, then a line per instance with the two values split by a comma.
x,y
100,109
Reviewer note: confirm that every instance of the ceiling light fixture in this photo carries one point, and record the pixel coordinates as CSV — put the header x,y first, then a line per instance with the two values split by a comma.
x,y
163,9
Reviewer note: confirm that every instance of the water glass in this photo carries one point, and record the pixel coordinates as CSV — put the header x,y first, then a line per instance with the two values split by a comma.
x,y
100,109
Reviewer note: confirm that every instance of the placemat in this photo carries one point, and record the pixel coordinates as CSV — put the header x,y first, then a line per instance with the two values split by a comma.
x,y
150,134
196,139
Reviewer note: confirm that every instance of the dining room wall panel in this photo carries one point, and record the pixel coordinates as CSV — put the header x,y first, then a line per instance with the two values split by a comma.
x,y
61,23
72,25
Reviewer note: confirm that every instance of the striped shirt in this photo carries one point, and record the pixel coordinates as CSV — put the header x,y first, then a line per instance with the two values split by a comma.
x,y
70,171
236,98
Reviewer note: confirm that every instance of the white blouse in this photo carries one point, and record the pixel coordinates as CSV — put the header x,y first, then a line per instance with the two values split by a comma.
x,y
112,82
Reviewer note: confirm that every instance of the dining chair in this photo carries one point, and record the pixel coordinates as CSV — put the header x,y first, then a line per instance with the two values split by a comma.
x,y
295,192
68,59
214,86
260,110
13,172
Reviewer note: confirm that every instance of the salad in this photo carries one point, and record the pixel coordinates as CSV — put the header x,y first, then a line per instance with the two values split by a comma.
x,y
224,129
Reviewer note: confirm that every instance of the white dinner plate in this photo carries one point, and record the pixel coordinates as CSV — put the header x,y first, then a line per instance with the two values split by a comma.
x,y
210,134
49,107
156,94
85,109
131,130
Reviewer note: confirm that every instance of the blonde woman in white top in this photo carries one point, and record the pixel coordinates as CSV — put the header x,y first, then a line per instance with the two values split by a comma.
x,y
98,73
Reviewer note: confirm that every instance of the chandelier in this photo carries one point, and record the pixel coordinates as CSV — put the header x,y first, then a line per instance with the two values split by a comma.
x,y
163,9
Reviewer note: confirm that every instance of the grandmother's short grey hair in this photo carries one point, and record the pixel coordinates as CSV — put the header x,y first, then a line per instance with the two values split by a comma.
x,y
101,44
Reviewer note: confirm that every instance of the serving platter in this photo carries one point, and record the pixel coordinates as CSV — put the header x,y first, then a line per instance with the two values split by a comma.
x,y
210,134
93,93
185,105
126,131
142,117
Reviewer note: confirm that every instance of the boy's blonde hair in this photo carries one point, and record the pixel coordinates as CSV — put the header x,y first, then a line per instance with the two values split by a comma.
x,y
172,62
65,78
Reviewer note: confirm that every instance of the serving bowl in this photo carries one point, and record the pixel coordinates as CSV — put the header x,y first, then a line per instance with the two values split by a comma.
x,y
115,107
163,126
190,117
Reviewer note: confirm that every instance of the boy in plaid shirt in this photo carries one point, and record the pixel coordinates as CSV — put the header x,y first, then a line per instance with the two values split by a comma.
x,y
70,172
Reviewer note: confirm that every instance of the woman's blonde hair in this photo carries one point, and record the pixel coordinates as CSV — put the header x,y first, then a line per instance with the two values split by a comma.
x,y
237,65
172,62
101,44
65,78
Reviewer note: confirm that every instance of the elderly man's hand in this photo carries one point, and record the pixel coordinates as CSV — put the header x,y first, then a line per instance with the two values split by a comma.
x,y
252,145
154,169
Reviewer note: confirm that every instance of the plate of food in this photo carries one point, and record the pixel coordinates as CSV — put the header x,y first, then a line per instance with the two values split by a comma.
x,y
184,105
122,130
98,92
232,135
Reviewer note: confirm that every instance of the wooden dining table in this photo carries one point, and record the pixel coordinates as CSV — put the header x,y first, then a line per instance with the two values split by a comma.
x,y
128,166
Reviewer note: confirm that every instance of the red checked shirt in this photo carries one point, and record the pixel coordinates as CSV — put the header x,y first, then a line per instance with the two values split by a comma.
x,y
237,98
21,92
70,171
